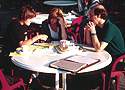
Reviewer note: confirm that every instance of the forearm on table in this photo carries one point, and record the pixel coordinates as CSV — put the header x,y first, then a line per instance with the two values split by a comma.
x,y
29,41
99,46
95,42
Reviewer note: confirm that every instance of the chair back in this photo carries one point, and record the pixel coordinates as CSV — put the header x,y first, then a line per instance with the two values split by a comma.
x,y
3,81
120,59
117,78
75,30
12,85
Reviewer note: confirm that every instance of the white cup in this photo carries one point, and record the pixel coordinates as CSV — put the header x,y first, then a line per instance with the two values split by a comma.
x,y
64,43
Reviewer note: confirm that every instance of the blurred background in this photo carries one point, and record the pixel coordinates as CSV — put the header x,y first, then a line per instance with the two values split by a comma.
x,y
9,9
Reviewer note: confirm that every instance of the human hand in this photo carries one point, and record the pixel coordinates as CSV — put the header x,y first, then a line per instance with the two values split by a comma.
x,y
60,20
91,26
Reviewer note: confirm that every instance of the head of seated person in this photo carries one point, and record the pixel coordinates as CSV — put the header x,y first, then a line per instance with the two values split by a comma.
x,y
27,13
19,32
54,16
55,25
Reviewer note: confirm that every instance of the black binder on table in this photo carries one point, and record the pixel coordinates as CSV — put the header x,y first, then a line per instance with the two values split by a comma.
x,y
73,65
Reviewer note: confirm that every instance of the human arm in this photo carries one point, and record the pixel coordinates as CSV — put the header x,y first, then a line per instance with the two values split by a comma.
x,y
63,31
34,39
99,46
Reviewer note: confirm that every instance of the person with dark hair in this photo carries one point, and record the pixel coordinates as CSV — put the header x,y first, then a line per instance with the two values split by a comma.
x,y
17,30
17,35
54,26
105,35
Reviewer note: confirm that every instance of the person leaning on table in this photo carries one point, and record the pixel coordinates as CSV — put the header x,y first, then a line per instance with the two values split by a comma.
x,y
104,34
16,33
54,26
17,30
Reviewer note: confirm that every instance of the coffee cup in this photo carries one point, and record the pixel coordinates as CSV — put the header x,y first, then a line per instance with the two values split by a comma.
x,y
64,43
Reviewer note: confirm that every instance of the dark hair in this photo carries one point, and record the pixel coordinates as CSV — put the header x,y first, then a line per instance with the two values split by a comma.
x,y
54,13
27,12
102,12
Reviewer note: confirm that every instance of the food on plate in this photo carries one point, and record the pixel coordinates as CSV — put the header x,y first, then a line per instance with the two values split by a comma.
x,y
63,49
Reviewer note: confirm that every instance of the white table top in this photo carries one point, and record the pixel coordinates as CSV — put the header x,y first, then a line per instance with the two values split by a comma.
x,y
40,63
60,2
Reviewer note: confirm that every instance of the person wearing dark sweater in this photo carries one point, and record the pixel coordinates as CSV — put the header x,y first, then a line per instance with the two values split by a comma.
x,y
17,30
17,35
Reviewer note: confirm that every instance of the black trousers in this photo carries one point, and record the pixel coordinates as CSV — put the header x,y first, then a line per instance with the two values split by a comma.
x,y
84,81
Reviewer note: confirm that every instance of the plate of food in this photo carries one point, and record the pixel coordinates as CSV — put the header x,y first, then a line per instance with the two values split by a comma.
x,y
61,49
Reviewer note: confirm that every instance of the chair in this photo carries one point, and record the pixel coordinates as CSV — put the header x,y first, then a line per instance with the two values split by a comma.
x,y
75,29
116,73
103,78
9,83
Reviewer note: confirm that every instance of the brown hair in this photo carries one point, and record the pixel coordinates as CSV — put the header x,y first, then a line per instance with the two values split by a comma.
x,y
100,10
27,12
54,13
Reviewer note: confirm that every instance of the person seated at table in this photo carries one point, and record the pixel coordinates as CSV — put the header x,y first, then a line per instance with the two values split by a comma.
x,y
54,26
104,34
17,30
77,32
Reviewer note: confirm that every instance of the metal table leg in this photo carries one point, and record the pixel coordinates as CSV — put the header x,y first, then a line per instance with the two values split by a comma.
x,y
57,81
63,81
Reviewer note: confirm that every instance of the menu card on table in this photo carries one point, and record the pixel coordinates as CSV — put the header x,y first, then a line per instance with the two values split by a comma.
x,y
74,63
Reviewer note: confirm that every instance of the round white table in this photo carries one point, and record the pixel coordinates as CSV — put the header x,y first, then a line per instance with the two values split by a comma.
x,y
41,63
